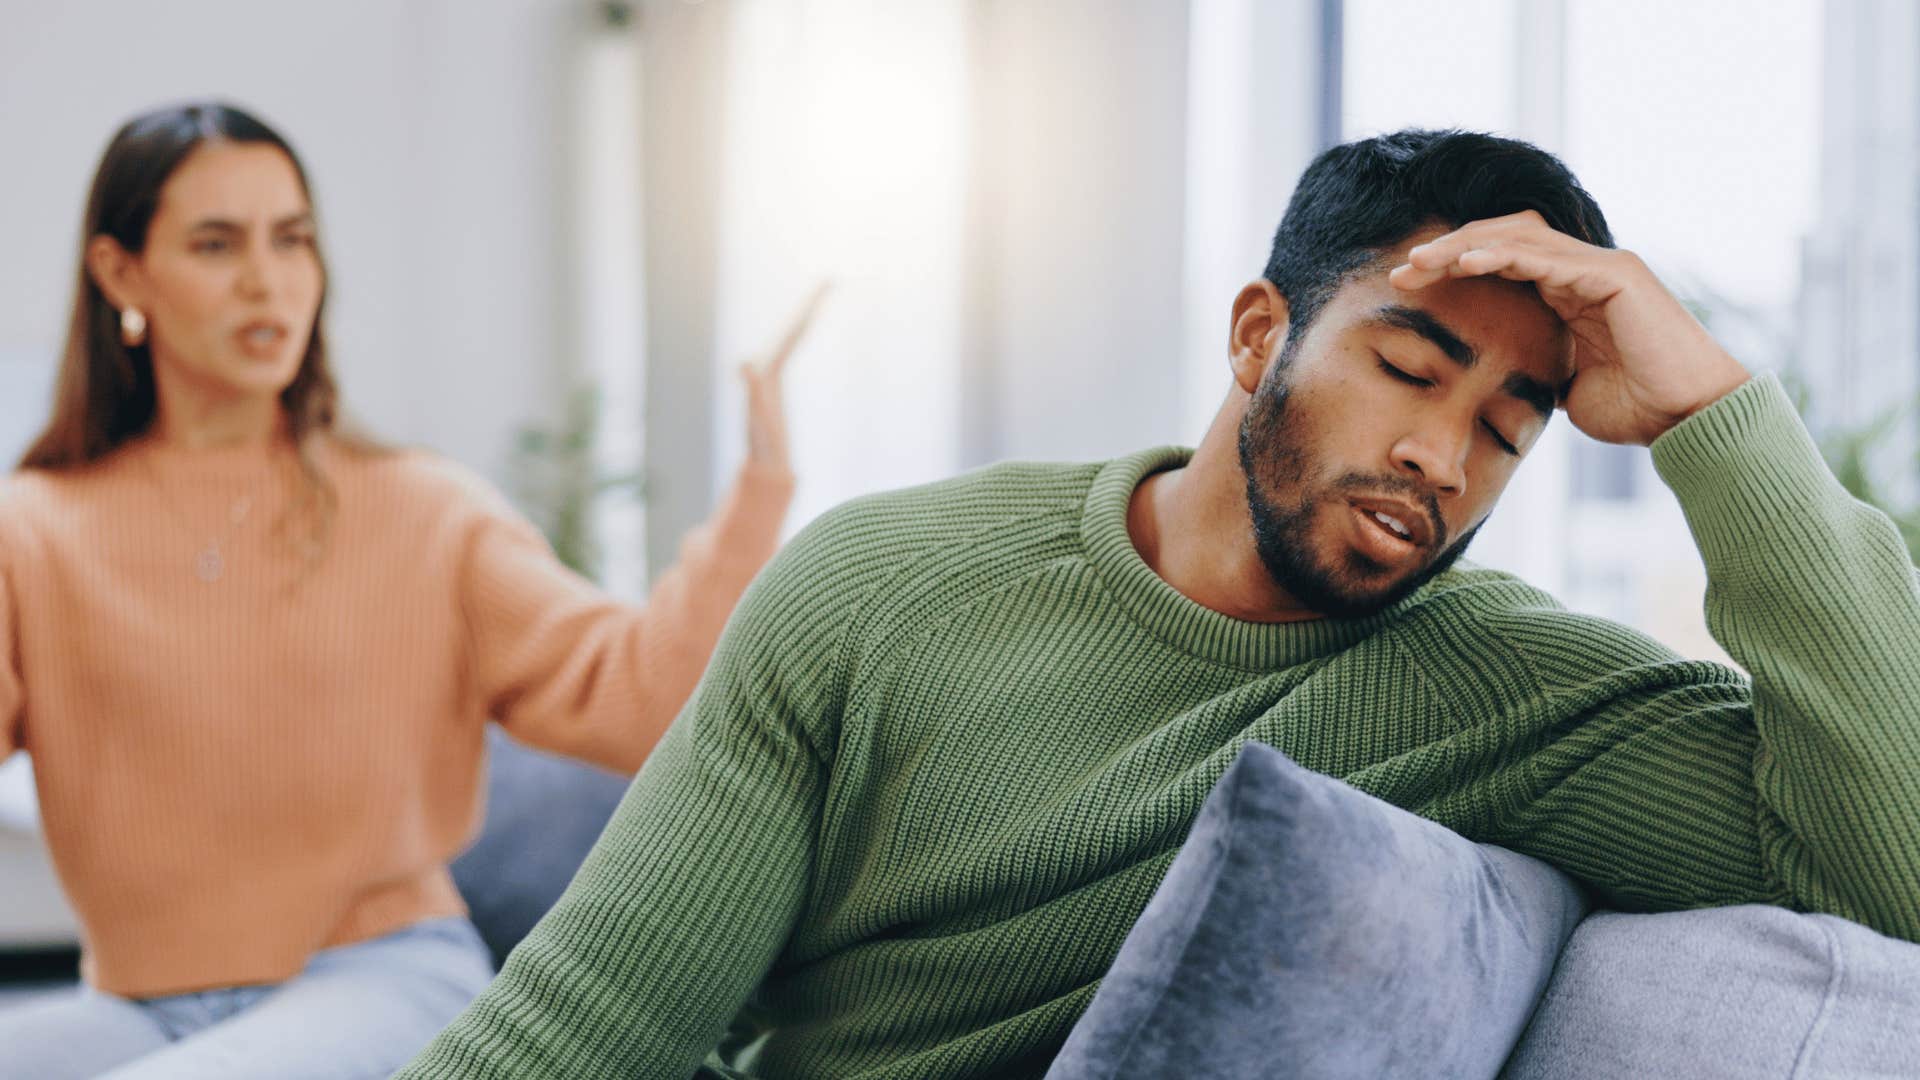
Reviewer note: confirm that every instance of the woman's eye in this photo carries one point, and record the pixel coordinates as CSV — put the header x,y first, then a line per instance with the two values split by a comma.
x,y
210,246
296,240
1396,373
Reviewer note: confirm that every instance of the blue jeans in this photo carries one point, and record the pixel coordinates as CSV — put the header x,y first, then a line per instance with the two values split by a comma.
x,y
360,1010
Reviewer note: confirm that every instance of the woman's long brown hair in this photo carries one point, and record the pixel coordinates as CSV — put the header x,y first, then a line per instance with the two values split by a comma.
x,y
104,394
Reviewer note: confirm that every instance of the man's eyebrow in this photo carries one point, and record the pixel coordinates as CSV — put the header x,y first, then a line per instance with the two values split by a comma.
x,y
1541,396
1401,317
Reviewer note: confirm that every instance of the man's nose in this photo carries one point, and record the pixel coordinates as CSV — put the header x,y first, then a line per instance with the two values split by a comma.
x,y
1437,459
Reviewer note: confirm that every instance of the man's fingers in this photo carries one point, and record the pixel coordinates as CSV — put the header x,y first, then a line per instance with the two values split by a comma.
x,y
1526,227
1515,261
1409,277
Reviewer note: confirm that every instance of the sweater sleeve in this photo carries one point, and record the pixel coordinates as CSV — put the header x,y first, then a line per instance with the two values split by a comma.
x,y
694,887
1683,784
564,667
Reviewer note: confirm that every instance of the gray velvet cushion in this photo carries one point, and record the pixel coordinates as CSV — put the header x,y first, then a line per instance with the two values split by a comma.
x,y
1741,993
544,813
1310,930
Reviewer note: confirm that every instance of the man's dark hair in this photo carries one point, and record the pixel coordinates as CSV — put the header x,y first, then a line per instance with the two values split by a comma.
x,y
1359,199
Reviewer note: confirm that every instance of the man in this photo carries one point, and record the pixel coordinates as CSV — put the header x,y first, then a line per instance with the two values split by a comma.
x,y
955,735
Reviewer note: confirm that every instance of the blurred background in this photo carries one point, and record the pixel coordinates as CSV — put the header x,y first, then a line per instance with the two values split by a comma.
x,y
556,227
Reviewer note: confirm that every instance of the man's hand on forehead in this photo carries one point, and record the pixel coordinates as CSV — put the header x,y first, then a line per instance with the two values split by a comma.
x,y
1641,362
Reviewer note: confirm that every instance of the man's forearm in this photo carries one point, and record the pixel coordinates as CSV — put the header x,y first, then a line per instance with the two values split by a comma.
x,y
1813,593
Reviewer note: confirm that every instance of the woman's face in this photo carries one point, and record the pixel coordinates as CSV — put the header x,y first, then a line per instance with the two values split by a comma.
x,y
230,280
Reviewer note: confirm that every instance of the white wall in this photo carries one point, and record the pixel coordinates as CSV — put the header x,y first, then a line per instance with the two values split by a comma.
x,y
1077,260
1253,89
429,129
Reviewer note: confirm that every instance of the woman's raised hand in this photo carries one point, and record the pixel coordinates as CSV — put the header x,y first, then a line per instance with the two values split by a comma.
x,y
766,406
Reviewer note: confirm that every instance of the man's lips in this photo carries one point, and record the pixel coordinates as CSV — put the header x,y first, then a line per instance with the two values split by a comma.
x,y
1400,520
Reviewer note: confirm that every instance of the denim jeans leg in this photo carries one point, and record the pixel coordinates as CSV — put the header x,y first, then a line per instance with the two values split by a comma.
x,y
75,1036
359,1011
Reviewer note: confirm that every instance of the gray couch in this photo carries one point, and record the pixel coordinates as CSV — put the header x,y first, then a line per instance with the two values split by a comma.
x,y
1310,930
544,813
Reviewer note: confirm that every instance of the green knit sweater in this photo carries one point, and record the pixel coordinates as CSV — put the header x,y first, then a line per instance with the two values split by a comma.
x,y
954,736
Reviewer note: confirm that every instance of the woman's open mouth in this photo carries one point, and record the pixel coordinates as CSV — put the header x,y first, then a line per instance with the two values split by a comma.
x,y
262,339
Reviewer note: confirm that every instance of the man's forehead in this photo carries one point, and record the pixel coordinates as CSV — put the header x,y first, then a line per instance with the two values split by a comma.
x,y
1432,230
1484,318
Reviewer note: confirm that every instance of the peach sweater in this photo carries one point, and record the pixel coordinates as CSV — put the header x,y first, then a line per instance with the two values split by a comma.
x,y
236,773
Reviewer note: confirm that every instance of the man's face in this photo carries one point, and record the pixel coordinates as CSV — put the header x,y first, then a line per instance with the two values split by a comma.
x,y
1376,445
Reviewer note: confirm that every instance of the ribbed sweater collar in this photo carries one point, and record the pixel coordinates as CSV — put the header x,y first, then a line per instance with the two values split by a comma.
x,y
247,462
1177,621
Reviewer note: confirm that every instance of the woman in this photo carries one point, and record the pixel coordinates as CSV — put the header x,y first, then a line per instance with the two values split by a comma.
x,y
251,655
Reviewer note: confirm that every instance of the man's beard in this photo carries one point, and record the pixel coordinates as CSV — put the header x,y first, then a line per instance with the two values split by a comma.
x,y
1274,456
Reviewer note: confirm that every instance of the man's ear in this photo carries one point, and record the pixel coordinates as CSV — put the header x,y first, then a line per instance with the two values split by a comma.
x,y
116,272
1259,328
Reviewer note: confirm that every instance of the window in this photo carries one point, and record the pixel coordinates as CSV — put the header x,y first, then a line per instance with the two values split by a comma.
x,y
1698,128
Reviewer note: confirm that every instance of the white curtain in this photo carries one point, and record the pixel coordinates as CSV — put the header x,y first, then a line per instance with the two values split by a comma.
x,y
843,158
1035,216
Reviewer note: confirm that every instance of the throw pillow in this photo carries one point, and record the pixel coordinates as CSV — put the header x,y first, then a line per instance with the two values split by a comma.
x,y
1310,930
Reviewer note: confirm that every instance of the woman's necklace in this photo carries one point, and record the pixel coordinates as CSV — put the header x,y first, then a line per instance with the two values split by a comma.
x,y
209,564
